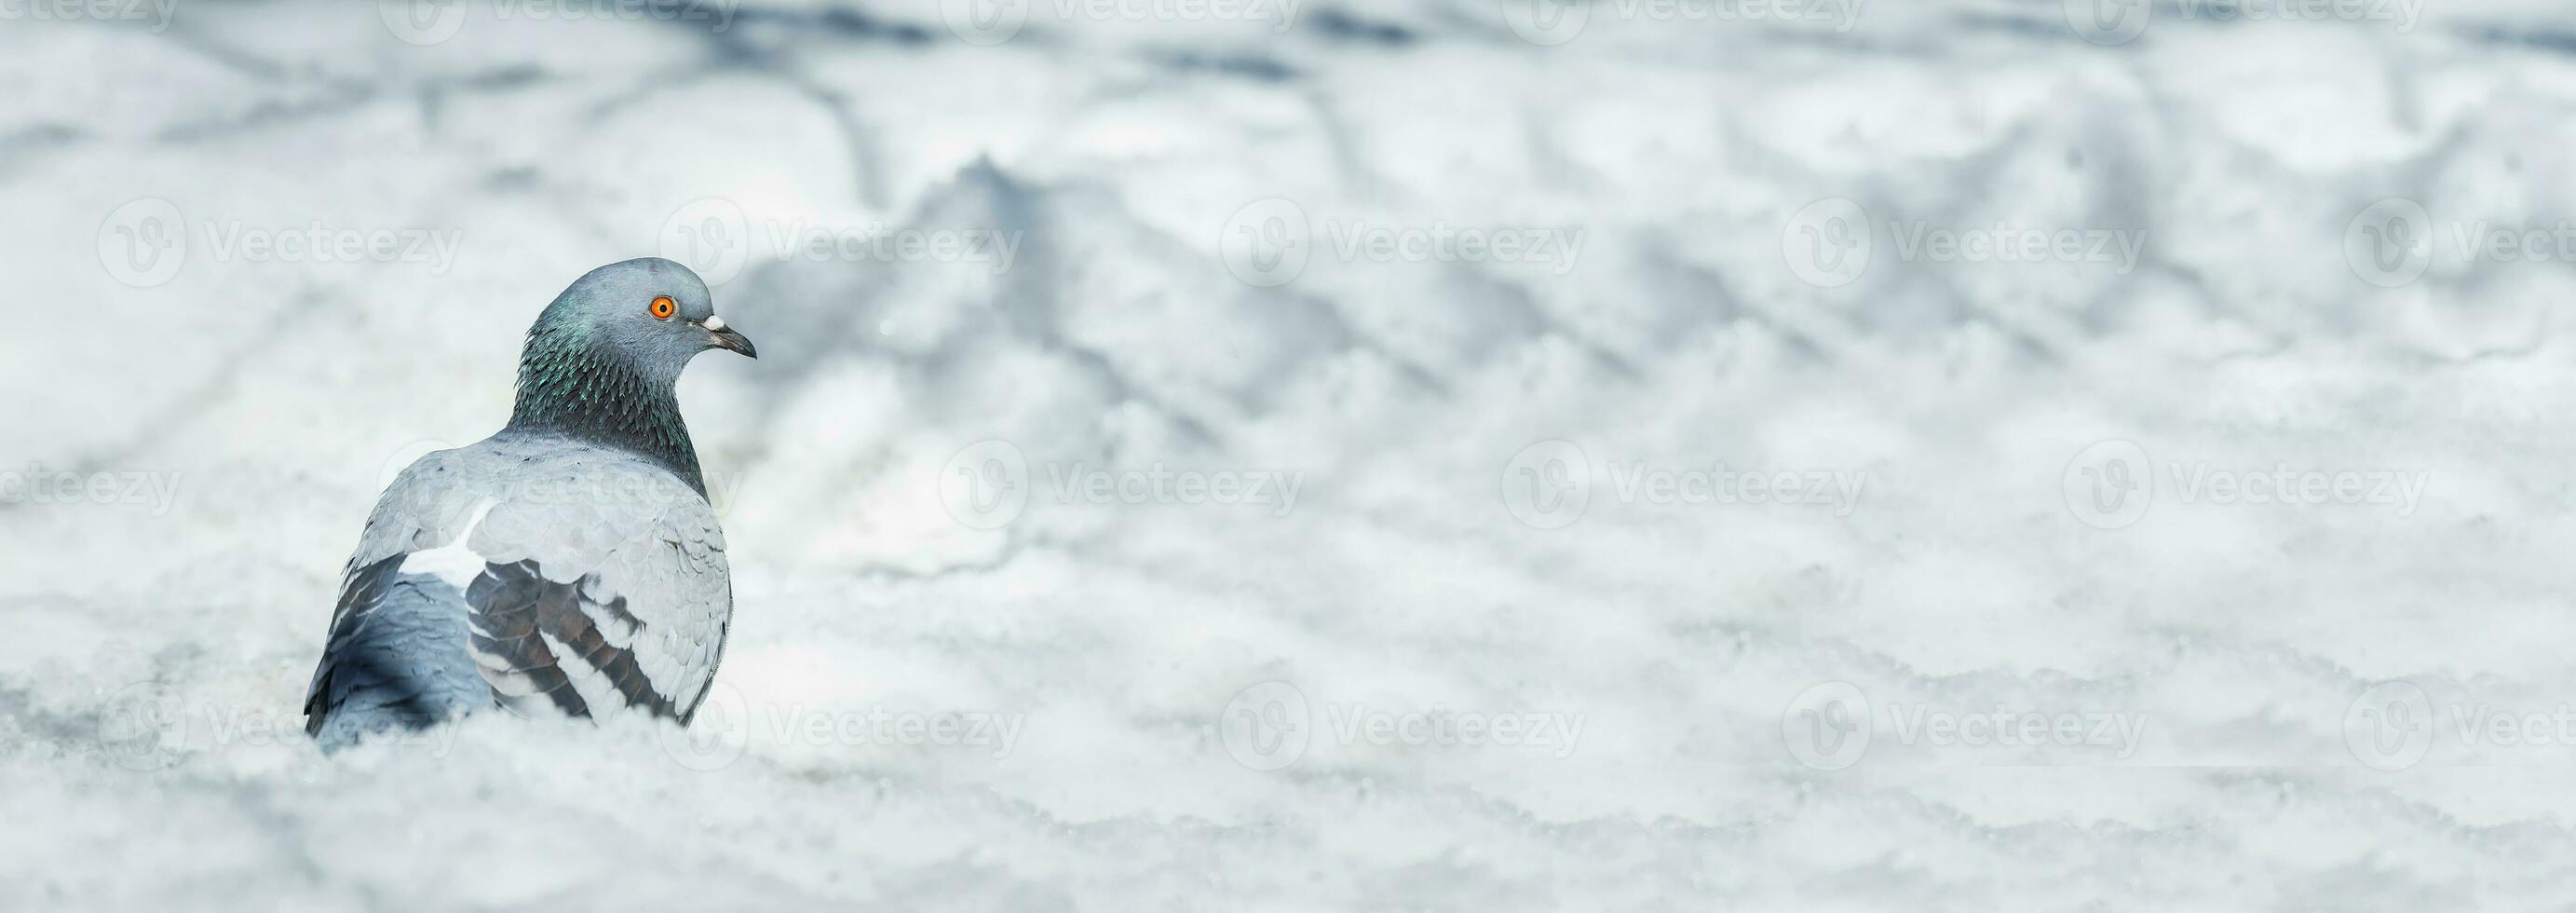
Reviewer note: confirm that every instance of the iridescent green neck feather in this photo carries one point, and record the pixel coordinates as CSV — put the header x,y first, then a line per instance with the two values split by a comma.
x,y
575,386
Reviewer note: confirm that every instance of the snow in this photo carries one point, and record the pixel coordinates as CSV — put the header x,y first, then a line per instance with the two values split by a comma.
x,y
1139,568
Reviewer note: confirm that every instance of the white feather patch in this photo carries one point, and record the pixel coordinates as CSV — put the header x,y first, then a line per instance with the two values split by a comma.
x,y
453,563
597,692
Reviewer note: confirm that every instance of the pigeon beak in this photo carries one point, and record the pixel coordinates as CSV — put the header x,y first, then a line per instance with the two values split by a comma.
x,y
728,338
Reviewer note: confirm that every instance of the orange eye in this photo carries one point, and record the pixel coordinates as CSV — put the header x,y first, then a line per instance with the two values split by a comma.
x,y
662,308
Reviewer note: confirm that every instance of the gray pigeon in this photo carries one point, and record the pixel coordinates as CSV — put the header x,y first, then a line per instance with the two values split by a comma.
x,y
567,566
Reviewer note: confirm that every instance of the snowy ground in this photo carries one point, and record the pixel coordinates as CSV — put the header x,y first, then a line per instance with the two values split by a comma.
x,y
1055,320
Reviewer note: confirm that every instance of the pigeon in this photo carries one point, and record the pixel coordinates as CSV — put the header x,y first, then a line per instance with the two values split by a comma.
x,y
568,566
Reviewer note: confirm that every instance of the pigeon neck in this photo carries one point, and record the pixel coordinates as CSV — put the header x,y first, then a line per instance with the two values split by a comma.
x,y
576,391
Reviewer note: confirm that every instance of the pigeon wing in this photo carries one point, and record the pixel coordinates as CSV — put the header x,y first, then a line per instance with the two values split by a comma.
x,y
589,580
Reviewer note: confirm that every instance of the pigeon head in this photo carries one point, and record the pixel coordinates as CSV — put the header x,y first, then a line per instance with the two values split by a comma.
x,y
651,313
603,361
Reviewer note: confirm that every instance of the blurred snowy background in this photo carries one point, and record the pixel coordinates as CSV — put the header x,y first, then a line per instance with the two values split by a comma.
x,y
1305,456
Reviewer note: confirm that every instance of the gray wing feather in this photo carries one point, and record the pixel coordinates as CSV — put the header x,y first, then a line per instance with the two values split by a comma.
x,y
602,582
